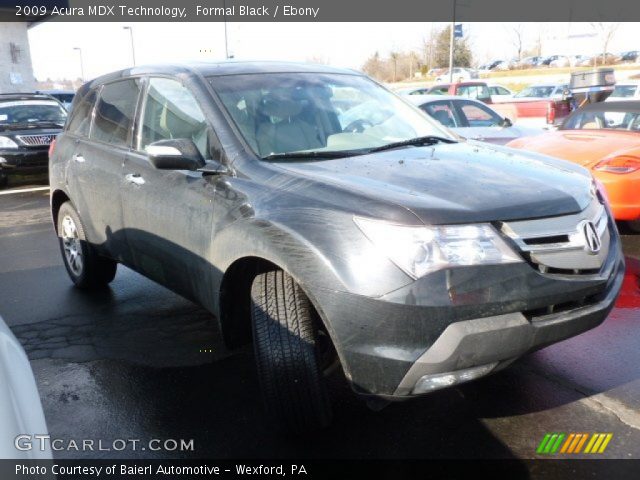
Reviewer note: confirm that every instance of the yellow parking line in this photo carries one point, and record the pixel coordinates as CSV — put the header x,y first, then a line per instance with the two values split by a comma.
x,y
24,190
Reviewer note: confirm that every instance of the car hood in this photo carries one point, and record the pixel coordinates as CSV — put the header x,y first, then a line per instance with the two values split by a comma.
x,y
584,147
457,183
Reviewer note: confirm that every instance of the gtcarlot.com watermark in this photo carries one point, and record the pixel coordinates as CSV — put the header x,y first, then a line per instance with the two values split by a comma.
x,y
43,443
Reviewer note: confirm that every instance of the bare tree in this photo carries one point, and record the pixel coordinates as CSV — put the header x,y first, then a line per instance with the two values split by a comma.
x,y
606,31
517,34
394,56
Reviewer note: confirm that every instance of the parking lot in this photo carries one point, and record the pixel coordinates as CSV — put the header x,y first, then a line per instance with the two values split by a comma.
x,y
130,362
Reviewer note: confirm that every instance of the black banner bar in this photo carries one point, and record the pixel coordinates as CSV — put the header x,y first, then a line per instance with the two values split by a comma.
x,y
321,10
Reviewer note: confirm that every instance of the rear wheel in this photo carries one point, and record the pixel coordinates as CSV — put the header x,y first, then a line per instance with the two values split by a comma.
x,y
290,353
86,268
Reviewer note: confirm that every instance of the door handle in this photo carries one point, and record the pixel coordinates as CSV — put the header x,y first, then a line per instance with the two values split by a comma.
x,y
134,178
78,158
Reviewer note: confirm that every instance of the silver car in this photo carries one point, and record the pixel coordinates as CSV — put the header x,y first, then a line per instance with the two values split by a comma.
x,y
21,413
471,119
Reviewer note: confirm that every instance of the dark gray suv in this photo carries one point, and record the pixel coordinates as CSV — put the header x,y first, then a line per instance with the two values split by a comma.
x,y
322,217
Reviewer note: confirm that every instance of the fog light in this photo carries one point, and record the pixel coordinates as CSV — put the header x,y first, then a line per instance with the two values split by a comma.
x,y
429,383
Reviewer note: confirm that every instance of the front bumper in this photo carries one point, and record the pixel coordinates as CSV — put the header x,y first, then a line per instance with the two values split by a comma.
x,y
463,318
23,160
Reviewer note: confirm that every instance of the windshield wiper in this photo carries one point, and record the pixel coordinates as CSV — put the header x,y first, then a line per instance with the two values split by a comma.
x,y
413,142
313,154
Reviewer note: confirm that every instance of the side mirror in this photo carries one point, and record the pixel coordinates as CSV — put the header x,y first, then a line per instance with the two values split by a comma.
x,y
506,122
175,154
213,167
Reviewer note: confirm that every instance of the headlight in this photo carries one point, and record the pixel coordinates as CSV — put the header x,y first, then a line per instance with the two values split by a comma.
x,y
421,250
6,142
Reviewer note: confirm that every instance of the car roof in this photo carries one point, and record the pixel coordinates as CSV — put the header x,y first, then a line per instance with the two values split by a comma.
x,y
422,99
5,97
632,106
227,67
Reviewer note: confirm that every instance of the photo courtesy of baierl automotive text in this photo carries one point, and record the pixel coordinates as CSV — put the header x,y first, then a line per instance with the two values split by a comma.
x,y
320,239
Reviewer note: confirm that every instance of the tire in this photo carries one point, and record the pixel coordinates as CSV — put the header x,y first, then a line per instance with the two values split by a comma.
x,y
85,267
286,351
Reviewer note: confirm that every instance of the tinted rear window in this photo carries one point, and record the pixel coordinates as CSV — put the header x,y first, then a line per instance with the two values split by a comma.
x,y
115,112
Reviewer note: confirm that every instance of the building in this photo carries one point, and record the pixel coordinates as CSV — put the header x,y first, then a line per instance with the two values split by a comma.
x,y
16,71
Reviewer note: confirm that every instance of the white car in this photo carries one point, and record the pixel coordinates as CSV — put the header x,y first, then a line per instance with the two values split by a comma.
x,y
499,93
554,91
471,119
459,74
625,91
21,415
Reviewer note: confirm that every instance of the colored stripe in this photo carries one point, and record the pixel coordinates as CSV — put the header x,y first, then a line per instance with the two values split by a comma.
x,y
593,439
567,443
555,447
543,443
599,441
550,443
573,446
582,440
24,190
605,443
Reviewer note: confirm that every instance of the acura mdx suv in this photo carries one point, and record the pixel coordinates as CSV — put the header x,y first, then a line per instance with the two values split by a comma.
x,y
332,224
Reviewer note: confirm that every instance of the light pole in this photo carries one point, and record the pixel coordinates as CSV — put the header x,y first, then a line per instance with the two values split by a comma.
x,y
81,63
451,39
133,50
226,41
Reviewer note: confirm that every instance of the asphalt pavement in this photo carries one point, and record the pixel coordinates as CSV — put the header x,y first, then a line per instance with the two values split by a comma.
x,y
136,361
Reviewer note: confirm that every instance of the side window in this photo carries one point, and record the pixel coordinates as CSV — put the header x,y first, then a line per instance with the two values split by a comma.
x,y
81,115
479,115
442,112
171,111
115,111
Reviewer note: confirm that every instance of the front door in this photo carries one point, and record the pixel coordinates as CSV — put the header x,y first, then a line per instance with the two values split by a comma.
x,y
168,214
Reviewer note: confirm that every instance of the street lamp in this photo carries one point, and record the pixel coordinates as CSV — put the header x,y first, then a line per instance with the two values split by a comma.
x,y
81,63
133,50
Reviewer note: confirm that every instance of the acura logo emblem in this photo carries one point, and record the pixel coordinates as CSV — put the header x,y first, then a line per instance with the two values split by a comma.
x,y
592,240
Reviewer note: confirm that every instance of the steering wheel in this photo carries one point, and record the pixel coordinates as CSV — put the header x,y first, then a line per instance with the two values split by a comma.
x,y
358,126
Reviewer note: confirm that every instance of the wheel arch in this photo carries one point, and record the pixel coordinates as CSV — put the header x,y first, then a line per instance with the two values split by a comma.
x,y
58,197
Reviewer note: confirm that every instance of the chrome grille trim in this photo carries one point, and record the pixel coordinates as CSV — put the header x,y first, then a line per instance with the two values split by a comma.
x,y
36,140
558,244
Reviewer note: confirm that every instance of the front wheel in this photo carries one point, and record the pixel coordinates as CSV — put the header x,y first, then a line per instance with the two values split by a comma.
x,y
288,353
633,225
86,268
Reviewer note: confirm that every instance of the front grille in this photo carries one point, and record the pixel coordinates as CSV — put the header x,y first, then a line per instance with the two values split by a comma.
x,y
558,245
36,140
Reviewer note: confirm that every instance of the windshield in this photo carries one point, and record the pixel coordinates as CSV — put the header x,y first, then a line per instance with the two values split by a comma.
x,y
311,112
536,92
31,111
604,120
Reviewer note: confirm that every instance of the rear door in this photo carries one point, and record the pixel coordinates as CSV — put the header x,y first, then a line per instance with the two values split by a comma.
x,y
168,214
95,171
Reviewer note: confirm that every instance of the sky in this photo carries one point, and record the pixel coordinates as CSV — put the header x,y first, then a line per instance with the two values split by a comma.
x,y
107,46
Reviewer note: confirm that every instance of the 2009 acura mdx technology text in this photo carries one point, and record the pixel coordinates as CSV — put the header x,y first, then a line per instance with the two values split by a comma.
x,y
323,218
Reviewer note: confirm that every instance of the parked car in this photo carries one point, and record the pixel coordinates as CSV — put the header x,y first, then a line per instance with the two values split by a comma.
x,y
624,91
567,61
529,62
471,119
598,59
21,414
546,61
65,97
329,241
499,92
28,124
555,91
605,138
459,74
412,91
630,56
527,111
